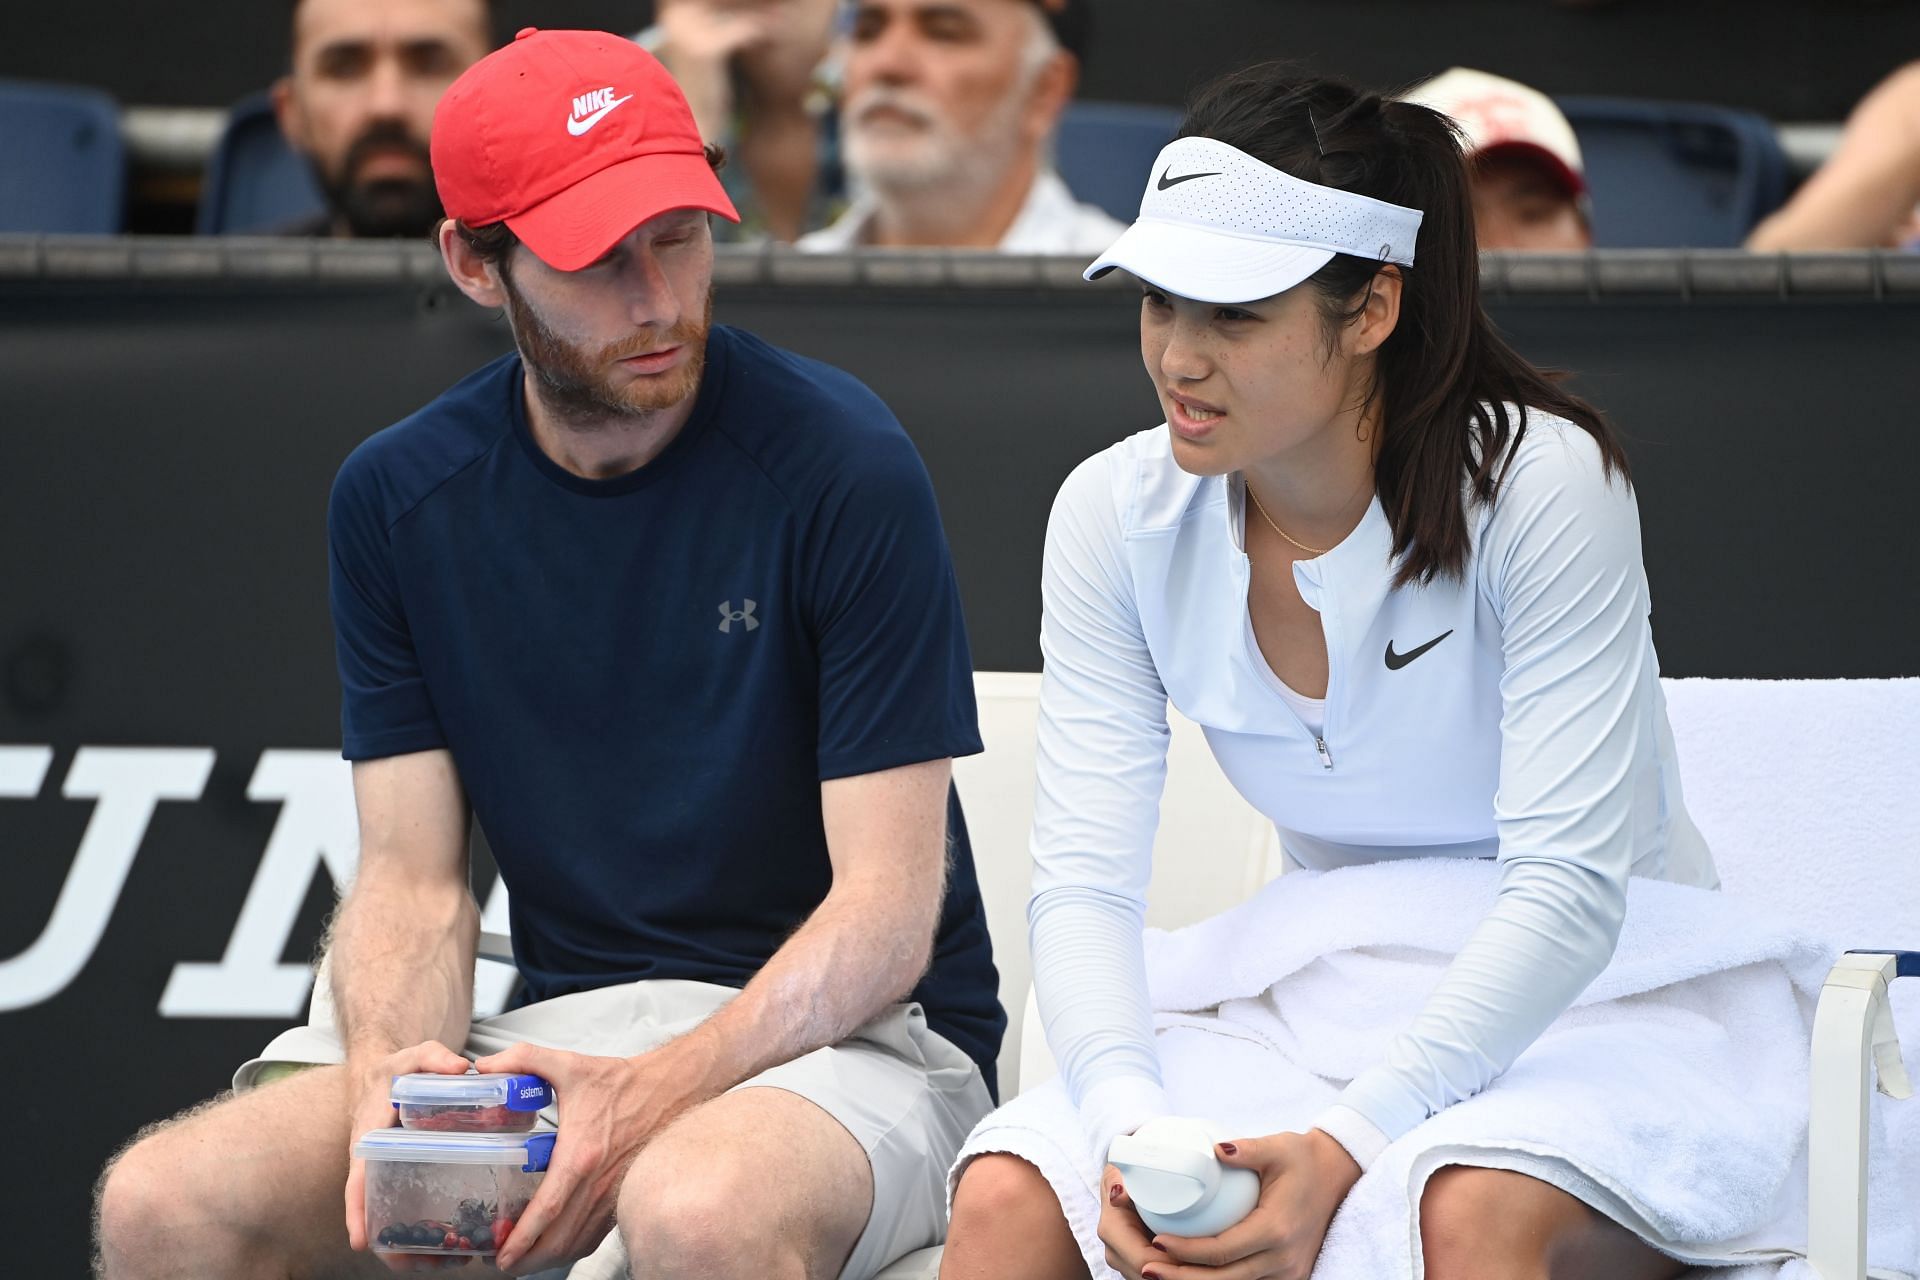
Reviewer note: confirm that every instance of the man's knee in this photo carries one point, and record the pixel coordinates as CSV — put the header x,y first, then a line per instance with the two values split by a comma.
x,y
759,1182
127,1205
681,1216
140,1196
682,1219
1482,1223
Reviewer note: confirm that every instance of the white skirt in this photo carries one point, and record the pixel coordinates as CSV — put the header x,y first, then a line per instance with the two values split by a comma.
x,y
1671,1097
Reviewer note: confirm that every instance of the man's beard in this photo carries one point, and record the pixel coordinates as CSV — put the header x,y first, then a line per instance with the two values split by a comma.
x,y
387,207
939,157
577,386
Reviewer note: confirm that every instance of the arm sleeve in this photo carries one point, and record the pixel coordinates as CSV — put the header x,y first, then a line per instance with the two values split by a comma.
x,y
1561,559
1101,764
385,709
896,677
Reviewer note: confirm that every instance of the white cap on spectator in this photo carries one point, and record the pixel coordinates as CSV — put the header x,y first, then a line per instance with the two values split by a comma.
x,y
1500,115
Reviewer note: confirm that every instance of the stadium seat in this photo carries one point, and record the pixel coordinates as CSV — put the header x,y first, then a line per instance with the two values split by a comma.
x,y
255,182
1667,175
64,162
1104,149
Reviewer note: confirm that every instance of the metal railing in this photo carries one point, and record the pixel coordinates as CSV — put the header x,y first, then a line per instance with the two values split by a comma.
x,y
1683,274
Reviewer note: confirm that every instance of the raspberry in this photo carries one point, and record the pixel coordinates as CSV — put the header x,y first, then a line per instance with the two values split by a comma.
x,y
449,1241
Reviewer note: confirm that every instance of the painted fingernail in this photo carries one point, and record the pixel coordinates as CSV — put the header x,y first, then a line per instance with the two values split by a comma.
x,y
1156,1244
1114,1193
1228,1149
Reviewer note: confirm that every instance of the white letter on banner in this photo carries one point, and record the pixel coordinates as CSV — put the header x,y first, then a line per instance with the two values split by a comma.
x,y
317,824
22,770
128,782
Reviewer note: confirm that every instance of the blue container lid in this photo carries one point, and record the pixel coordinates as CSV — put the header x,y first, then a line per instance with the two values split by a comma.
x,y
529,1151
429,1089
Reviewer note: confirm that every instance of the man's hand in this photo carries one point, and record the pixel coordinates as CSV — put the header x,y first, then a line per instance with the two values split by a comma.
x,y
706,33
609,1109
700,40
370,1089
1303,1179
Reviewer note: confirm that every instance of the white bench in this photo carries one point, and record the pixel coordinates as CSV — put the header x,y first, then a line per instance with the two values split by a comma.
x,y
1804,789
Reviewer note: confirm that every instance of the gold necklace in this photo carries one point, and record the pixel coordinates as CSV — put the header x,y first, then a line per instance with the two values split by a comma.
x,y
1276,528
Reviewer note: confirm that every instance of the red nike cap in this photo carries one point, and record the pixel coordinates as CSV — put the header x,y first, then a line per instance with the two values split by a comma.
x,y
573,139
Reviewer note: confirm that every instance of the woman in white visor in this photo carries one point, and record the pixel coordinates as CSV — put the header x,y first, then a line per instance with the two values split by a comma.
x,y
1394,572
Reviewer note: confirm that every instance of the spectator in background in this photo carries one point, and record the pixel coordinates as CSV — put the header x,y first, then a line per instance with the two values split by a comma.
x,y
950,107
1864,196
358,104
1529,188
759,78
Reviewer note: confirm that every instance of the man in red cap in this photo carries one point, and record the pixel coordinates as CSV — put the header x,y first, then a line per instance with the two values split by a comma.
x,y
669,612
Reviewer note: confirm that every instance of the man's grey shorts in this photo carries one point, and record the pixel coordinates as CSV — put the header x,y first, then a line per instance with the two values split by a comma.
x,y
904,1091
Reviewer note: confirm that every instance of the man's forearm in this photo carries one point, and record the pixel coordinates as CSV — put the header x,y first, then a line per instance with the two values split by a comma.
x,y
862,949
402,965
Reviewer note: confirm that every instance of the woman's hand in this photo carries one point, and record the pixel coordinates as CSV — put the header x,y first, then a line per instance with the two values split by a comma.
x,y
1303,1179
1129,1244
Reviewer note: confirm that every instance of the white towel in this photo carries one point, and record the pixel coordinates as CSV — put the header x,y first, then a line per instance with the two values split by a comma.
x,y
1672,1095
1805,792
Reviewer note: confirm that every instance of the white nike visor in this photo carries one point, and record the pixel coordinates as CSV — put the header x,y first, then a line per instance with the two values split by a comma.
x,y
1217,225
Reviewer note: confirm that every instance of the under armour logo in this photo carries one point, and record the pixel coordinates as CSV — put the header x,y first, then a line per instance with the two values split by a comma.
x,y
730,615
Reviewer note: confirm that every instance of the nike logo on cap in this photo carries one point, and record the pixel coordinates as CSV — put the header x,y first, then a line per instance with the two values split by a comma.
x,y
1166,182
1395,661
589,109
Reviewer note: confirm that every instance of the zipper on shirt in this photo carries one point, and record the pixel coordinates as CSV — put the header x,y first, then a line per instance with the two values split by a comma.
x,y
1326,756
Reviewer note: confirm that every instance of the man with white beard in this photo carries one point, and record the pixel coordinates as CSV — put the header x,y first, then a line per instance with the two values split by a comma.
x,y
949,109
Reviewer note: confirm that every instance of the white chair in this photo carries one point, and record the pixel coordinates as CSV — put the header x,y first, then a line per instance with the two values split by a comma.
x,y
1803,789
1794,784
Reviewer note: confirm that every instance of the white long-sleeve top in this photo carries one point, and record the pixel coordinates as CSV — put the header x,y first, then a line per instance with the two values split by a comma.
x,y
1530,728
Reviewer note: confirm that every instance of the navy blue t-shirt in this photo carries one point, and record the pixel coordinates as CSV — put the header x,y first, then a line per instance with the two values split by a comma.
x,y
644,680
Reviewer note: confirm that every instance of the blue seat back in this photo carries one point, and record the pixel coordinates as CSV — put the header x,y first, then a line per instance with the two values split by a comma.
x,y
1674,175
255,181
1104,149
63,166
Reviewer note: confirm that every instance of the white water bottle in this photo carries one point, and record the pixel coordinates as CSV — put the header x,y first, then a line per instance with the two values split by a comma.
x,y
1176,1183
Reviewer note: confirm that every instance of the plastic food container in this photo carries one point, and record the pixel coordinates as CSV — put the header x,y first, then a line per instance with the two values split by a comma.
x,y
449,1194
470,1103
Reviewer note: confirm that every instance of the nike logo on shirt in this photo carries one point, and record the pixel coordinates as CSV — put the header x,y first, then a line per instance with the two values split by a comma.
x,y
578,124
1395,661
1166,182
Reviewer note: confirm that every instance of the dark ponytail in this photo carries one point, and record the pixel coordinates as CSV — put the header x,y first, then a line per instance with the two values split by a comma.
x,y
1445,376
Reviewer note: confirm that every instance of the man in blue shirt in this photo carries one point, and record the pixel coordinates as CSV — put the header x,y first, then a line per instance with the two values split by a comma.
x,y
670,613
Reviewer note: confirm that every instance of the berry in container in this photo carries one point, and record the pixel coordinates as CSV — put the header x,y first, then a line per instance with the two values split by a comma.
x,y
449,1194
473,1103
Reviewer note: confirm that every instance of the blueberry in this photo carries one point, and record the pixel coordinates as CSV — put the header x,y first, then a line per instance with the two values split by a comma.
x,y
385,1238
422,1234
482,1237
